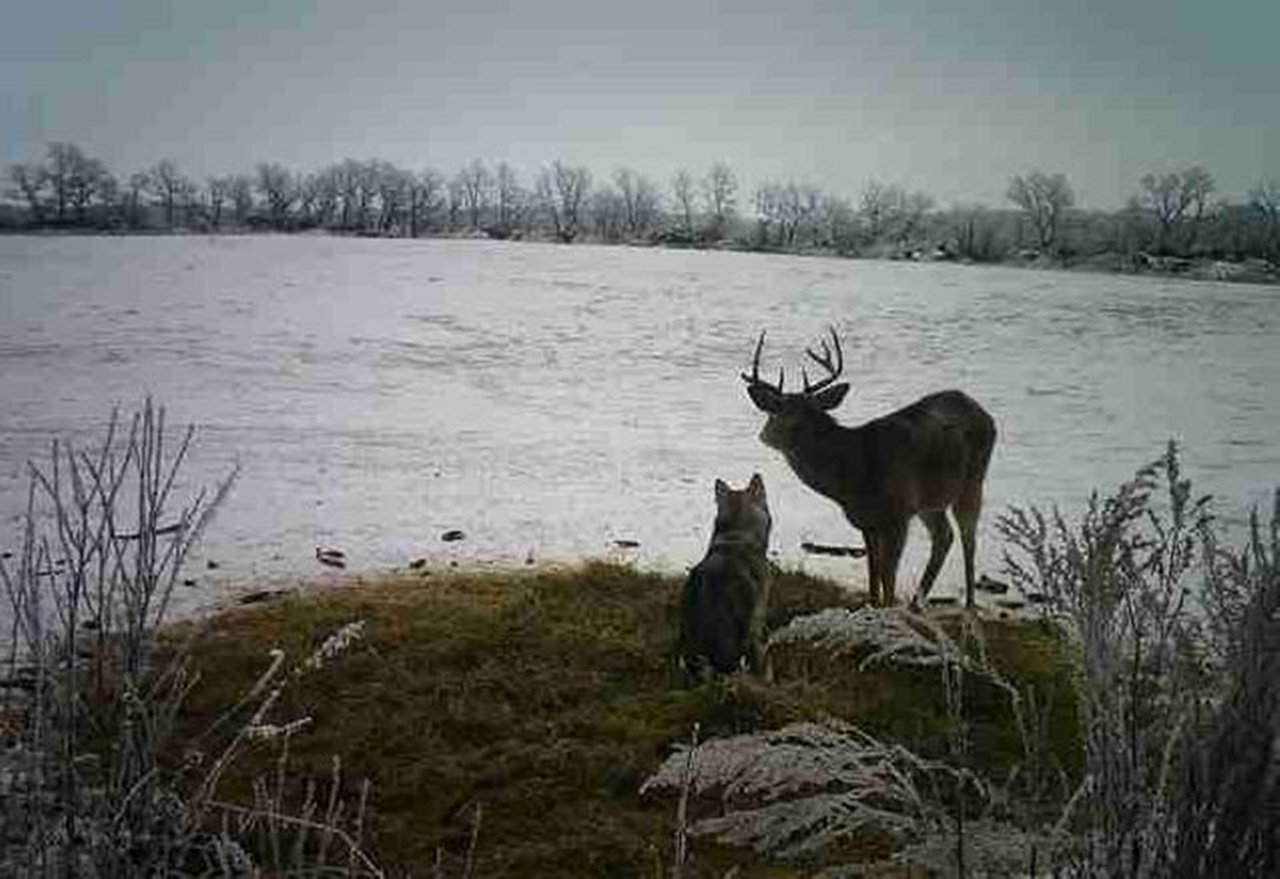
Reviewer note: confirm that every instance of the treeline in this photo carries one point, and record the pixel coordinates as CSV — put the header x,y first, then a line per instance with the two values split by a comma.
x,y
1171,217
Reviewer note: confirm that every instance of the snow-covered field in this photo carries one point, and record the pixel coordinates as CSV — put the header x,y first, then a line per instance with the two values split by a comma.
x,y
550,400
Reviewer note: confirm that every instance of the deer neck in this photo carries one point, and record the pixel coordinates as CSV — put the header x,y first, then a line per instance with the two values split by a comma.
x,y
828,458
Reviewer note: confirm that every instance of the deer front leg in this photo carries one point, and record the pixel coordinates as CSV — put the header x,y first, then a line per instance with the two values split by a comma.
x,y
891,540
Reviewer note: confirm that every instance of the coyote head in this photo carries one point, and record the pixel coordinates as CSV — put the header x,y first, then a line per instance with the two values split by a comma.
x,y
742,515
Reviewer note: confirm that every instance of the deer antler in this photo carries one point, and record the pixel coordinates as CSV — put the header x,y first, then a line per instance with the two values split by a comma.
x,y
826,362
754,378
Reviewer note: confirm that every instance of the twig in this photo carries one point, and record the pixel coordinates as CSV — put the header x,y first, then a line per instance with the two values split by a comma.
x,y
680,856
357,854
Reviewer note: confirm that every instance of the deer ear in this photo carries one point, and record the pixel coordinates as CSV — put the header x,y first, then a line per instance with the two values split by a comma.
x,y
766,398
722,489
756,486
830,398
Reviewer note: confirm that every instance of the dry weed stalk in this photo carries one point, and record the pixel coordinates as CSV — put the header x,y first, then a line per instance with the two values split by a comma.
x,y
90,709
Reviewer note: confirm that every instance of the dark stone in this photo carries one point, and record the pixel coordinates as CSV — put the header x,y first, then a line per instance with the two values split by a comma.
x,y
624,543
212,565
334,558
417,564
452,535
824,549
260,596
987,584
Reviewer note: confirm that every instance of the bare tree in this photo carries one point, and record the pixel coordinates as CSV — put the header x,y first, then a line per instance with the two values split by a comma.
x,y
720,192
838,224
608,214
794,202
242,198
562,191
683,200
1179,202
317,198
475,184
1043,198
976,232
640,201
393,196
137,187
191,199
426,201
366,192
1265,202
29,182
769,214
455,203
877,205
64,161
346,176
356,187
788,213
110,204
219,192
325,194
279,192
168,184
911,218
509,201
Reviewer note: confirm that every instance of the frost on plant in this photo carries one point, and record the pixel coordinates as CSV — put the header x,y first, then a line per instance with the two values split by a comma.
x,y
792,793
884,634
335,645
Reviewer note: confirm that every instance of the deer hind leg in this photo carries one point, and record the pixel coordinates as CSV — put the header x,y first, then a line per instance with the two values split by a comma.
x,y
941,537
874,567
968,508
891,540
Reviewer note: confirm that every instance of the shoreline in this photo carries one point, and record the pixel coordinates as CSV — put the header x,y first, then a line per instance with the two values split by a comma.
x,y
1139,264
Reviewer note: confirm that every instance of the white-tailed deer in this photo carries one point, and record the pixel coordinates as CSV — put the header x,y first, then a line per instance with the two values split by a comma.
x,y
918,461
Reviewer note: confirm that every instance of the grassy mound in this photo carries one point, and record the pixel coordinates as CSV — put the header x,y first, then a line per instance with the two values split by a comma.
x,y
547,696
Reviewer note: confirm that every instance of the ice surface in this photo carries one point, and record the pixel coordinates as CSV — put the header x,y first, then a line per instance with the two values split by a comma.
x,y
549,400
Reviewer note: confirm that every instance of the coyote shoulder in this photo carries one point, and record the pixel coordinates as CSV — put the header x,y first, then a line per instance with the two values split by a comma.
x,y
726,596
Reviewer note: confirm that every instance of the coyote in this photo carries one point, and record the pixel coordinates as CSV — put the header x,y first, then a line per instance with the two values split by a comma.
x,y
726,596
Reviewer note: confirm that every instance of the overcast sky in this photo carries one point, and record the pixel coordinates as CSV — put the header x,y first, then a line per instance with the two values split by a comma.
x,y
951,96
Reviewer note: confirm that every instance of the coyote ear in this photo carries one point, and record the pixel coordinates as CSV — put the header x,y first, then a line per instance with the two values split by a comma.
x,y
830,398
767,399
756,486
722,489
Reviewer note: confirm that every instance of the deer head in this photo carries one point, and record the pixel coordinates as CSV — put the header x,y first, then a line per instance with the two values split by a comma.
x,y
790,414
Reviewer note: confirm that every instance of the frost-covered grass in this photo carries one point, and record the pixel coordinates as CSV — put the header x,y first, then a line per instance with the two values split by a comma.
x,y
546,698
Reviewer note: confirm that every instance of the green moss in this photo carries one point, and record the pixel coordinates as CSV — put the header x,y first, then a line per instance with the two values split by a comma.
x,y
548,697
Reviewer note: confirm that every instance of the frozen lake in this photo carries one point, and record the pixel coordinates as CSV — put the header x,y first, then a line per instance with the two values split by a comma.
x,y
549,400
